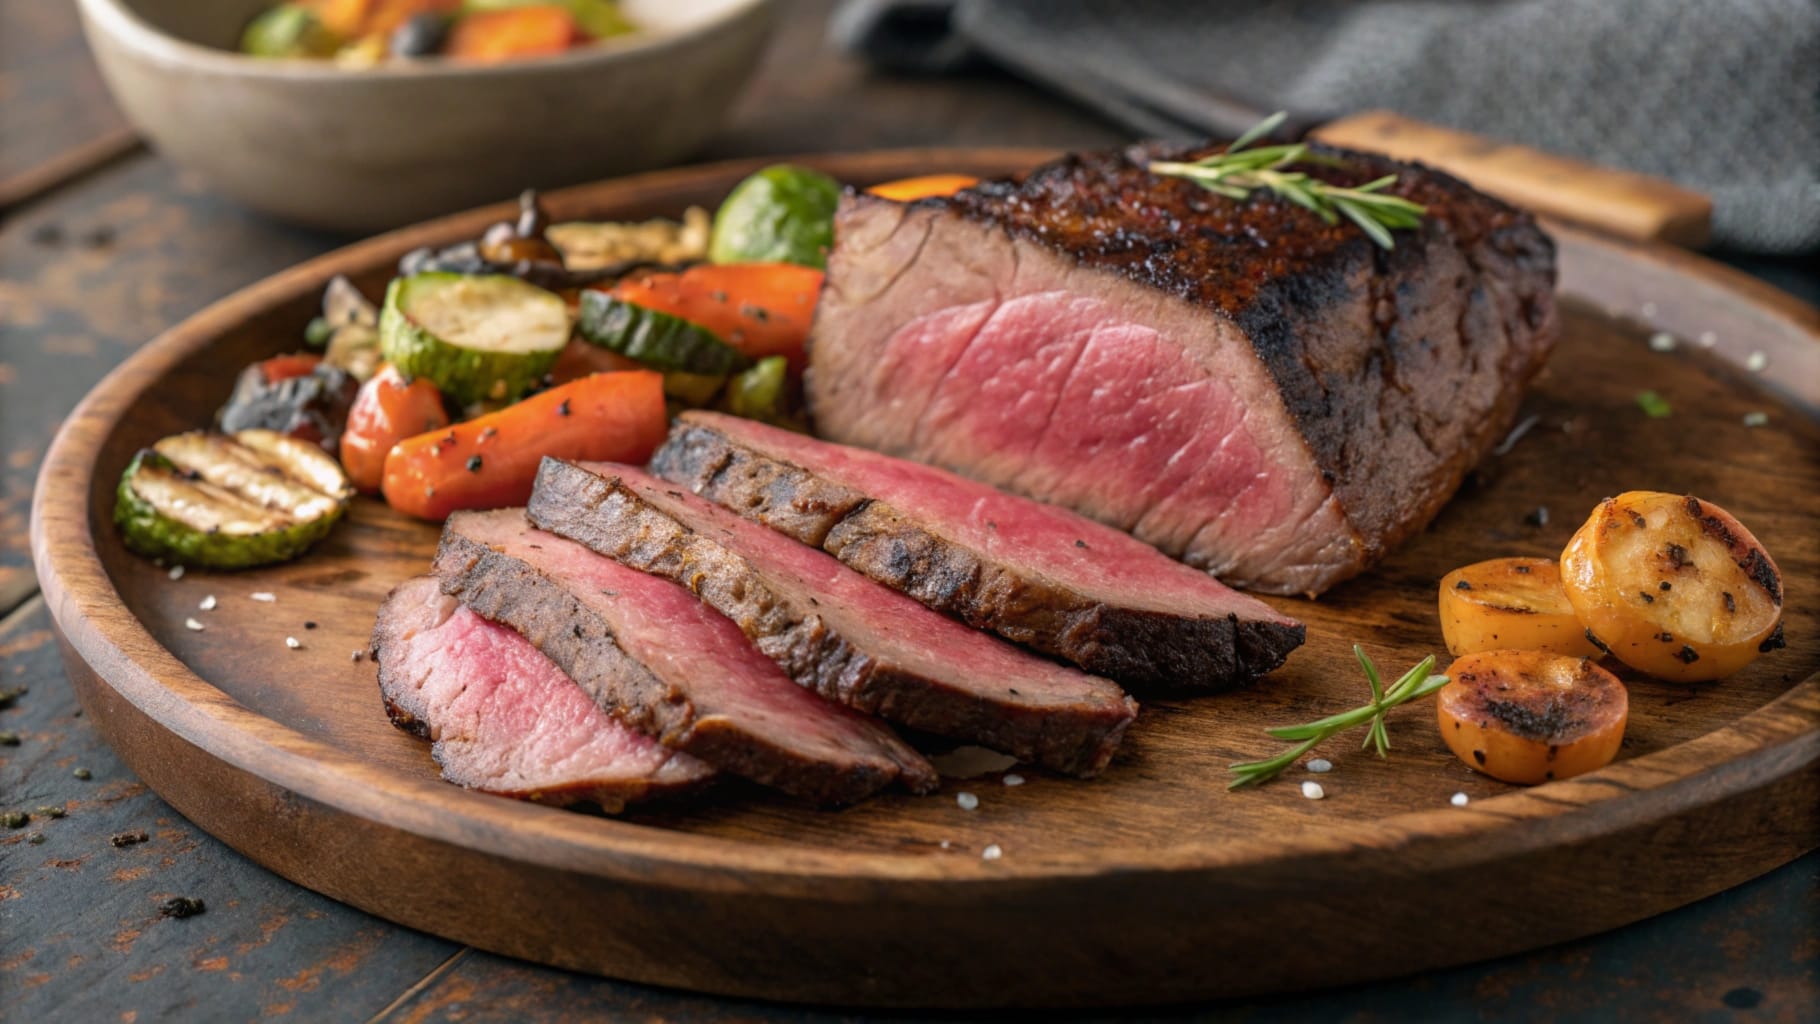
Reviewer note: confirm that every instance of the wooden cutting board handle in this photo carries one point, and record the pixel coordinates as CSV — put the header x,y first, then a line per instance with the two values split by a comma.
x,y
1620,203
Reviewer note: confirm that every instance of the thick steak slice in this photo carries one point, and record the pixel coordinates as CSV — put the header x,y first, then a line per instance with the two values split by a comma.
x,y
835,631
653,656
1034,573
1265,396
503,718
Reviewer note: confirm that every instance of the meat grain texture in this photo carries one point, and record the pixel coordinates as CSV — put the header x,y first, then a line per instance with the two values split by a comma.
x,y
503,718
1034,573
1265,396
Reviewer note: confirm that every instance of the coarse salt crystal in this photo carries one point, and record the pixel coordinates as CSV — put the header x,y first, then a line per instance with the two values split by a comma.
x,y
967,801
1662,341
1320,766
292,642
1313,790
1757,362
991,852
193,625
264,595
1707,339
1014,780
176,572
1756,419
207,604
947,844
1460,800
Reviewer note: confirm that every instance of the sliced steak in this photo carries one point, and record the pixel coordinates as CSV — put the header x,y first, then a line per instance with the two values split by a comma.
x,y
835,631
1263,395
1034,573
649,653
503,718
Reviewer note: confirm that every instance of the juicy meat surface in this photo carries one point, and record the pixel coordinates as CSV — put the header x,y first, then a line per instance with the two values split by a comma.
x,y
837,632
651,654
503,718
1263,395
1034,573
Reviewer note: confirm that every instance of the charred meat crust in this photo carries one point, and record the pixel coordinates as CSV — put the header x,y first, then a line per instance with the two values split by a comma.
x,y
1137,647
1470,291
607,516
512,593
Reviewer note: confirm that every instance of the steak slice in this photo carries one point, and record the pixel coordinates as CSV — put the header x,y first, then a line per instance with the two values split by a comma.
x,y
835,631
1265,396
653,656
1034,573
503,718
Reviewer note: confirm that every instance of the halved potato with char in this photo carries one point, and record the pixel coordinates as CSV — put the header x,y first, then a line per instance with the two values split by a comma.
x,y
1529,716
1673,586
1507,603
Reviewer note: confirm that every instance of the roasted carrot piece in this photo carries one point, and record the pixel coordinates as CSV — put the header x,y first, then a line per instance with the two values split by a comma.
x,y
387,410
514,32
491,461
762,309
1508,603
905,190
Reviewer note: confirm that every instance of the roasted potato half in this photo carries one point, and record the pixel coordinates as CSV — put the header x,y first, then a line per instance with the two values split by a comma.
x,y
1508,603
1529,716
1673,586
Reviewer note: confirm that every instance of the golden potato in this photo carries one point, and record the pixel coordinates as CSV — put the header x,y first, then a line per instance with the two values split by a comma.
x,y
1528,716
1510,603
1673,586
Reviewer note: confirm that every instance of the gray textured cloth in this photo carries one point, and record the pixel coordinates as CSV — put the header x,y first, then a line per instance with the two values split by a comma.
x,y
1720,95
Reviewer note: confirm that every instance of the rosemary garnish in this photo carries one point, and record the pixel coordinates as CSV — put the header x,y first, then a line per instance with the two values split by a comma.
x,y
1238,171
1414,683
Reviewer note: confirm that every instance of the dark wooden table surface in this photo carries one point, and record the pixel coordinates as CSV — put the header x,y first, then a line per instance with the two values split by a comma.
x,y
93,263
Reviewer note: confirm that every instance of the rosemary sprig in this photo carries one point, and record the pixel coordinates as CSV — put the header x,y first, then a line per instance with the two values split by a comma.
x,y
1239,171
1414,683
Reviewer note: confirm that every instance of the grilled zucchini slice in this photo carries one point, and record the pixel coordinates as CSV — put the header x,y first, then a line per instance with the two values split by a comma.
x,y
661,341
223,501
479,337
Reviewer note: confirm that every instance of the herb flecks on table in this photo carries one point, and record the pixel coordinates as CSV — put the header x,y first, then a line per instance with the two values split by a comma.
x,y
1239,171
1413,684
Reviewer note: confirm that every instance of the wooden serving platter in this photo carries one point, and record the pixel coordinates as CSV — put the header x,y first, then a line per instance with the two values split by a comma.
x,y
1152,884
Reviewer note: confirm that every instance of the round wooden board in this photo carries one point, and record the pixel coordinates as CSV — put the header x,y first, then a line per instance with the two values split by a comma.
x,y
1152,884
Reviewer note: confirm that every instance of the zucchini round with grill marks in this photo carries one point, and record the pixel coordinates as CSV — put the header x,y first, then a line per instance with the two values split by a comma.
x,y
229,501
480,338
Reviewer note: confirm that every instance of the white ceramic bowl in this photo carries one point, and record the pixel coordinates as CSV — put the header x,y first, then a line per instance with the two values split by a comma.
x,y
360,150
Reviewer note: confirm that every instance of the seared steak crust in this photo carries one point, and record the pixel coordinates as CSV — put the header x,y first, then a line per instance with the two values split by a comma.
x,y
1394,371
1141,647
818,640
573,633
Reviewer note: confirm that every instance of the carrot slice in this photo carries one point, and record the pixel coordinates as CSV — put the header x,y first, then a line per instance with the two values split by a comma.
x,y
762,309
491,461
514,32
906,190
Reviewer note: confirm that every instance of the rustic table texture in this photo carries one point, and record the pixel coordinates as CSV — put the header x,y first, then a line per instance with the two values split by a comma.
x,y
103,245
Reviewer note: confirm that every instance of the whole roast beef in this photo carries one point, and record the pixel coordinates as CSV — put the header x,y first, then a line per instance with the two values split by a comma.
x,y
1266,396
503,718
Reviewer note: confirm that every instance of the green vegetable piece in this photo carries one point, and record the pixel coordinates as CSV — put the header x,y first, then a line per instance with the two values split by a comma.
x,y
318,332
480,337
661,341
692,390
761,393
288,30
782,214
222,502
601,19
1653,405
